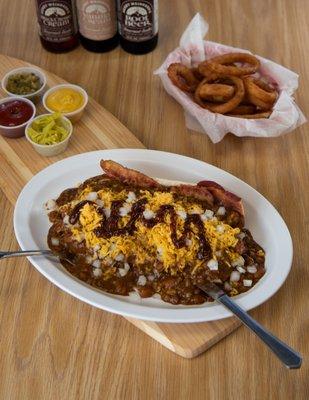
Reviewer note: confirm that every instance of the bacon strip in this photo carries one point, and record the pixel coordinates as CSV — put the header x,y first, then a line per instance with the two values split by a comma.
x,y
228,199
127,175
205,190
198,192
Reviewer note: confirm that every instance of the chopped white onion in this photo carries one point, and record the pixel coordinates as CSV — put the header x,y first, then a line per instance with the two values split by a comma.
x,y
252,269
221,211
247,282
123,212
212,264
182,214
92,196
96,247
126,266
88,259
125,209
122,272
50,205
96,264
131,197
148,214
100,202
141,280
188,242
227,286
55,241
97,272
208,214
107,212
241,269
220,228
235,276
241,235
151,278
66,220
119,257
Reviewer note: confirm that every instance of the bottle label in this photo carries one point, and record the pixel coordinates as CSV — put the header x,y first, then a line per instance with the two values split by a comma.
x,y
56,20
97,19
138,20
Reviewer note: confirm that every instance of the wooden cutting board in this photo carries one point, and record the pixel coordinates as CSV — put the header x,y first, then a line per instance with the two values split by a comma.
x,y
98,129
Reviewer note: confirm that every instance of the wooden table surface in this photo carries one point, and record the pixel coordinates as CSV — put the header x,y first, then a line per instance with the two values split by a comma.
x,y
57,347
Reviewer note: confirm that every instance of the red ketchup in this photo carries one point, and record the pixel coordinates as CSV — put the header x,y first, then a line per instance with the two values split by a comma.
x,y
15,112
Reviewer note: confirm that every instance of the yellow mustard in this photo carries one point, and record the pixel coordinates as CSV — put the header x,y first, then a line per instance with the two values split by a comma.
x,y
65,100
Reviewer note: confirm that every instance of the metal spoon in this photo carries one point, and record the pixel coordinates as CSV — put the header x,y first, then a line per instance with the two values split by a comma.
x,y
289,357
23,253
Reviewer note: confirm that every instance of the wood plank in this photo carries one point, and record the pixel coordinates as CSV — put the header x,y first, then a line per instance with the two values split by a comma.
x,y
187,340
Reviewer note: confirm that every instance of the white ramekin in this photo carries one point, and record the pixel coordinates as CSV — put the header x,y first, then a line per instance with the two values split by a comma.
x,y
74,115
50,150
35,96
19,130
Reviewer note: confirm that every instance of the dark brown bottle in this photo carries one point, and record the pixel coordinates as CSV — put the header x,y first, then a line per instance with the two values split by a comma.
x,y
138,25
97,24
57,25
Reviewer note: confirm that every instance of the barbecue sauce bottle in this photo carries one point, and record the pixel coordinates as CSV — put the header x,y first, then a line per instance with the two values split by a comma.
x,y
97,24
138,25
57,25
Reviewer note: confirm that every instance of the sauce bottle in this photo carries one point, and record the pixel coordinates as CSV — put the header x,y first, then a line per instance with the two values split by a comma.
x,y
57,25
138,25
97,24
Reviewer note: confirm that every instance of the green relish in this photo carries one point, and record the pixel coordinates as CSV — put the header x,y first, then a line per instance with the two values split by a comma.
x,y
48,129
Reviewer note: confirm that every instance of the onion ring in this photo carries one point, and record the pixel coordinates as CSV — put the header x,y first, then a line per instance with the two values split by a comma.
x,y
216,92
243,109
260,93
220,65
197,74
260,115
227,106
182,77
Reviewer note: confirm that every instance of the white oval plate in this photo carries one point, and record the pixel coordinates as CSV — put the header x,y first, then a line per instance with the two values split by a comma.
x,y
268,228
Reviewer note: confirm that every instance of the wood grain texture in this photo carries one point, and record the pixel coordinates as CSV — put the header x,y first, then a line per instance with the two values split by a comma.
x,y
188,340
99,129
52,346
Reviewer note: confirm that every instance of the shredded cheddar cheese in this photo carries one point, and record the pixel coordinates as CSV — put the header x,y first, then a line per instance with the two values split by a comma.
x,y
89,218
157,199
149,244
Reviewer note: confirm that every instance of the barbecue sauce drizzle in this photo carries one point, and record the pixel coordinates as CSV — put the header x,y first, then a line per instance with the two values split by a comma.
x,y
74,216
109,226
